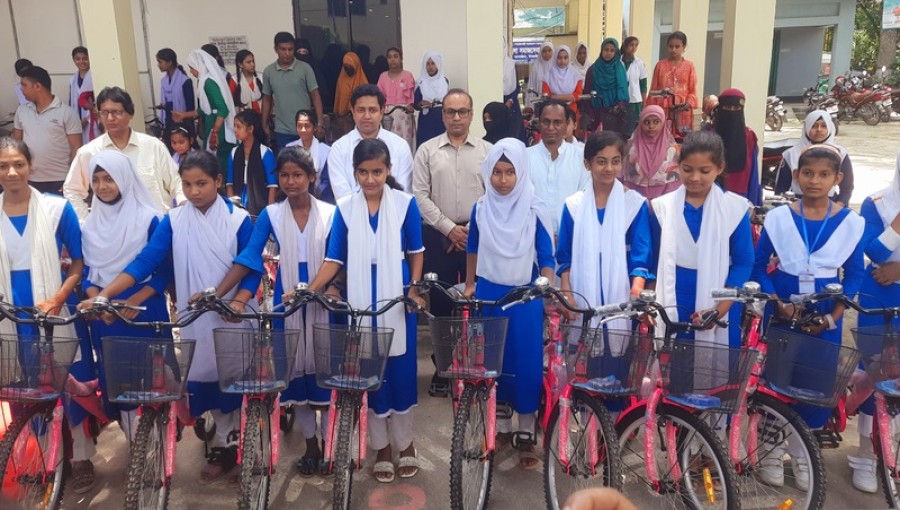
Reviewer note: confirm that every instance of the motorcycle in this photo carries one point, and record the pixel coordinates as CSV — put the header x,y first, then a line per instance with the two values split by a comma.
x,y
854,102
823,101
775,113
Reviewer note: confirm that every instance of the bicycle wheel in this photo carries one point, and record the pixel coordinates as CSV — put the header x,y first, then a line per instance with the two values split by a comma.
x,y
779,431
147,486
25,450
347,406
890,479
707,479
471,465
256,452
591,433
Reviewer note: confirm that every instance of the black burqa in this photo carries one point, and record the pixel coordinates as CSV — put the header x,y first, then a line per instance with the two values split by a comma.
x,y
498,127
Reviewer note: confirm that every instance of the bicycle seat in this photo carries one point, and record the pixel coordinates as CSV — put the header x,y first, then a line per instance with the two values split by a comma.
x,y
803,394
891,387
697,401
608,385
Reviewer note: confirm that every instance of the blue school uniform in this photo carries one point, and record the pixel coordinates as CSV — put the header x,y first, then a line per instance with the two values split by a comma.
x,y
398,392
520,383
302,389
204,395
786,284
68,235
157,310
428,125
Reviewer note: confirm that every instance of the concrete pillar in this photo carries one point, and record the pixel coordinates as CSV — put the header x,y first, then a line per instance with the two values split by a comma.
x,y
692,18
109,36
590,25
641,25
484,43
615,11
747,55
842,45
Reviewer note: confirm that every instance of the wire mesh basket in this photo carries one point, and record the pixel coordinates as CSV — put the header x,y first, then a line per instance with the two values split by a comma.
x,y
607,361
468,348
146,371
34,369
704,375
879,346
250,361
807,368
351,358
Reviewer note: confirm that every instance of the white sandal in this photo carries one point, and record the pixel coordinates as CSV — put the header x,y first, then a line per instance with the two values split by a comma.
x,y
410,461
384,467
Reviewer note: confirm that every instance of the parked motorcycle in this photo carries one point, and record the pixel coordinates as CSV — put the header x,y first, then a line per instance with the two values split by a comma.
x,y
854,102
775,113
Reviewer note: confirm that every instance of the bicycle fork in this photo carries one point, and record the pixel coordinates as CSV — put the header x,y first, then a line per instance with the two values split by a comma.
x,y
650,442
274,432
363,426
591,441
883,422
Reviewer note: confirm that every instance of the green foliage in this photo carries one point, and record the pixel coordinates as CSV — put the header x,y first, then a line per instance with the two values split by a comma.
x,y
866,35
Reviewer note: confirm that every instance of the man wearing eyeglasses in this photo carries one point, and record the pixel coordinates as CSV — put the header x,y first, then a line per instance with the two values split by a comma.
x,y
50,128
446,183
151,159
555,166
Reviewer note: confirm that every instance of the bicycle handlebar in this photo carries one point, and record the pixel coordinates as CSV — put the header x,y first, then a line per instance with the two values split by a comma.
x,y
302,295
522,294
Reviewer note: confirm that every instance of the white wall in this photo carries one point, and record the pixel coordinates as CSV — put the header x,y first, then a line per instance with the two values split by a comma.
x,y
797,67
436,25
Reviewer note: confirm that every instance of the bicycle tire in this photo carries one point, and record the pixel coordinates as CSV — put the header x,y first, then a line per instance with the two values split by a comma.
x,y
869,114
347,406
611,475
18,436
256,451
148,463
690,433
786,423
889,484
469,423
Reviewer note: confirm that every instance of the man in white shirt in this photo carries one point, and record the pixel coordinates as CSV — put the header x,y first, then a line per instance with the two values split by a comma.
x,y
556,167
367,105
151,159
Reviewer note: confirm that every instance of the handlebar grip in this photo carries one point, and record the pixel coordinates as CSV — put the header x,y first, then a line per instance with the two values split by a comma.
x,y
724,293
611,309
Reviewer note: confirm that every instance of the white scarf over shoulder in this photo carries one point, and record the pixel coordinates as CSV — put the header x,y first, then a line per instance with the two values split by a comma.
x,y
722,212
209,69
288,233
204,246
382,248
887,203
507,223
44,214
793,256
607,282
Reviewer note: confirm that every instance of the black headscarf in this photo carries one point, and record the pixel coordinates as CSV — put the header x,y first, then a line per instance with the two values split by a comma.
x,y
498,127
732,128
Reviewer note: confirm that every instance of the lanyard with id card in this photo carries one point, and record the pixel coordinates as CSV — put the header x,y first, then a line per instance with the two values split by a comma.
x,y
807,278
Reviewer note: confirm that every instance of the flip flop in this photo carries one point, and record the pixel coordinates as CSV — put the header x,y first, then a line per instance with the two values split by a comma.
x,y
384,467
307,466
409,461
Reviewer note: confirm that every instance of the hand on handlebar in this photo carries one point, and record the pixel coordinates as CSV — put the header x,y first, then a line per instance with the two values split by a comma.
x,y
565,312
413,296
704,320
237,307
50,306
469,291
887,273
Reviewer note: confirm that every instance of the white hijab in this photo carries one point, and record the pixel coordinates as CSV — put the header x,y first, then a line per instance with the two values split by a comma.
x,y
591,239
510,79
40,235
382,248
507,223
114,234
433,87
208,68
792,155
540,70
573,60
562,80
287,231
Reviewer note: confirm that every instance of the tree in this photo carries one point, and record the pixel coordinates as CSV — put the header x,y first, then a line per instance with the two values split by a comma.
x,y
866,35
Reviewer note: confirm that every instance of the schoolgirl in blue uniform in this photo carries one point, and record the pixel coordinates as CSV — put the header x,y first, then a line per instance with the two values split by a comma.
x,y
300,226
202,237
34,228
376,238
814,239
509,231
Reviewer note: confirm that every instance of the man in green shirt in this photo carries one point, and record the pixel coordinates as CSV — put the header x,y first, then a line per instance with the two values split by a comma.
x,y
292,84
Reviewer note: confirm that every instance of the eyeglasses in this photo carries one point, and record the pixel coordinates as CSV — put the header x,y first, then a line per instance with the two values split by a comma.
x,y
112,113
462,112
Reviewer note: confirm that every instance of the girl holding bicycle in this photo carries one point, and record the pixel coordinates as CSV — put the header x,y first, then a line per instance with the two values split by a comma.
x,y
34,229
376,238
813,240
509,243
300,225
202,237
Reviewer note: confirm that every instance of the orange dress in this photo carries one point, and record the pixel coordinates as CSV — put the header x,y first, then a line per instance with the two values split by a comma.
x,y
681,79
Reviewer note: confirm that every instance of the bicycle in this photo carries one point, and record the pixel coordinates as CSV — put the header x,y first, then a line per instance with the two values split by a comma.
x,y
673,113
350,361
33,372
151,374
601,365
765,406
667,446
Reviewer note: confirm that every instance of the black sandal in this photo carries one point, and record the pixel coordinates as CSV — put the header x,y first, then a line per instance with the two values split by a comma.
x,y
307,466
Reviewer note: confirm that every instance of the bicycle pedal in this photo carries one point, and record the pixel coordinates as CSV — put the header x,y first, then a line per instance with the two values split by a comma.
x,y
828,439
523,440
439,390
504,411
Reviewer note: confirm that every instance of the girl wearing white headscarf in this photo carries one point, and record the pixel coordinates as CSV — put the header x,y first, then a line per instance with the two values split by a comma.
x,y
217,109
581,67
564,81
432,86
818,127
509,245
538,71
380,253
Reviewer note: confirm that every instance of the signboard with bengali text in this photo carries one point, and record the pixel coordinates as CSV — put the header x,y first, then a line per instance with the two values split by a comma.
x,y
229,45
890,16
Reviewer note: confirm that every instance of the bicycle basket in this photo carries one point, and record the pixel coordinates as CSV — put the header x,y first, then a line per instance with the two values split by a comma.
x,y
250,361
807,368
469,348
608,361
349,358
33,368
704,375
146,371
880,349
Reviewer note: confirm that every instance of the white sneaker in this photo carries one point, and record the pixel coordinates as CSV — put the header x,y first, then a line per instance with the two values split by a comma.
x,y
800,468
771,466
864,478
